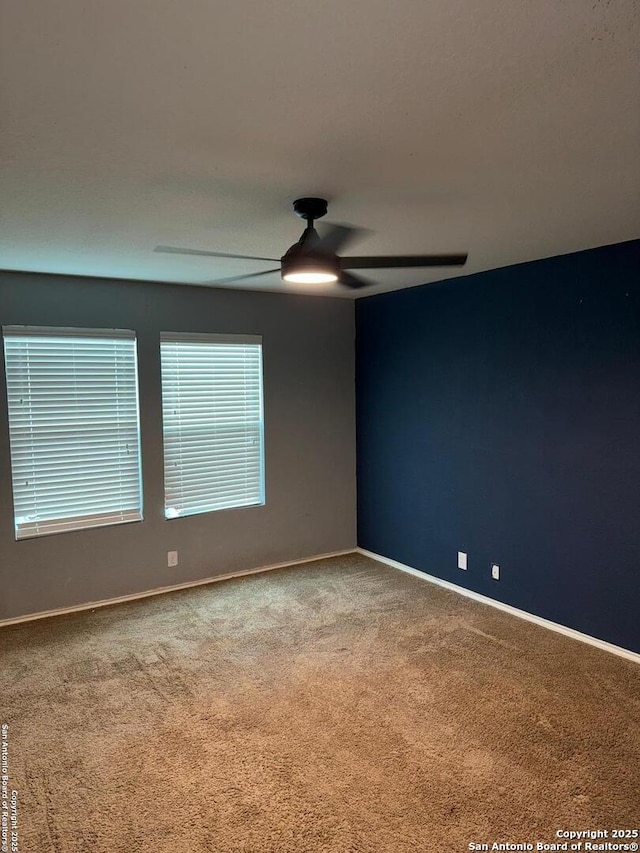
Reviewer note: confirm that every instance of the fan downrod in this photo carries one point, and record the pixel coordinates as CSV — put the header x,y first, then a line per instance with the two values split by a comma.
x,y
310,208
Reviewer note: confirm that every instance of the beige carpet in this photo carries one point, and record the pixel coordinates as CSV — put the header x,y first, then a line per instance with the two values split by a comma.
x,y
339,706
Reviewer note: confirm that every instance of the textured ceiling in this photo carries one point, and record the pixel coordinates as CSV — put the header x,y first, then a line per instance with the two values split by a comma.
x,y
511,130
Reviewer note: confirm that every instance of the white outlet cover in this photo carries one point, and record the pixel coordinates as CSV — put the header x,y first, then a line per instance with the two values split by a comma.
x,y
172,558
495,571
462,560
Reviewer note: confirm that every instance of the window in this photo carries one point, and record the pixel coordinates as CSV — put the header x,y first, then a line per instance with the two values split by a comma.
x,y
74,428
213,423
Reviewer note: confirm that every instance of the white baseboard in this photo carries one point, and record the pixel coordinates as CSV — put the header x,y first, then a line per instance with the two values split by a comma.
x,y
507,608
107,602
476,596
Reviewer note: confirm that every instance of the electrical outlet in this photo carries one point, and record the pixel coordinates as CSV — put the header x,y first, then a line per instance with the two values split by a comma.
x,y
462,560
495,571
172,559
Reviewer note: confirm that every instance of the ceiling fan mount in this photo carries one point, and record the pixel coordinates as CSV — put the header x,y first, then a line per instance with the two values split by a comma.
x,y
310,208
314,259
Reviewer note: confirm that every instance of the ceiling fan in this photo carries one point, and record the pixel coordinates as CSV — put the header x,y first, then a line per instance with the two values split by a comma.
x,y
314,259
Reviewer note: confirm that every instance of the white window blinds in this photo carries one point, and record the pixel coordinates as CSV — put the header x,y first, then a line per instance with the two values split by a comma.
x,y
212,421
74,429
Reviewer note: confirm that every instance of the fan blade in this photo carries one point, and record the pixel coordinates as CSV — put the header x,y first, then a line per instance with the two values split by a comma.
x,y
350,280
391,261
337,236
241,277
173,250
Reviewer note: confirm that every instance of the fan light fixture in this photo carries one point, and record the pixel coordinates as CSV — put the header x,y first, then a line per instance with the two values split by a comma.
x,y
302,277
310,277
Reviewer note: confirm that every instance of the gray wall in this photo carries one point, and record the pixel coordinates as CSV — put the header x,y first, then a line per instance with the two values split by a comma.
x,y
308,353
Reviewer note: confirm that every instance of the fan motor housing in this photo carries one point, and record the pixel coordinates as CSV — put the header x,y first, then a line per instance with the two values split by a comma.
x,y
296,260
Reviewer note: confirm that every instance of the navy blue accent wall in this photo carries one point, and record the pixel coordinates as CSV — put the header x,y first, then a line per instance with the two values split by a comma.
x,y
499,414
